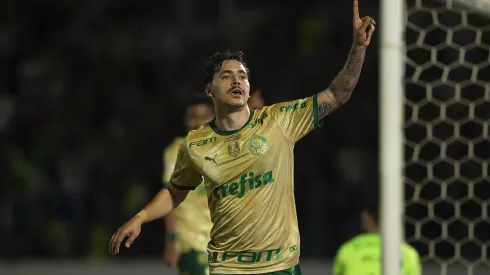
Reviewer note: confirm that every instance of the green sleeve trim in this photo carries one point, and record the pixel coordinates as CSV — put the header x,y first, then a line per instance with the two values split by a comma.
x,y
182,187
316,122
165,183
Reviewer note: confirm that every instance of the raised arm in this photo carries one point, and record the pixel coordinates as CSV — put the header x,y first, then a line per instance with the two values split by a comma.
x,y
339,91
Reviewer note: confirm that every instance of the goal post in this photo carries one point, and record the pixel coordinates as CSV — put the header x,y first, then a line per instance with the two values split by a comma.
x,y
391,133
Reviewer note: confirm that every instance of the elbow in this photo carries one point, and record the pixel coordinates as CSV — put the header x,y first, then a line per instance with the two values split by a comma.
x,y
340,95
177,196
342,102
343,98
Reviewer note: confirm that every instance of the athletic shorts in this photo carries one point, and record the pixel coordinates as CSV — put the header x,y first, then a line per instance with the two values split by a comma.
x,y
193,262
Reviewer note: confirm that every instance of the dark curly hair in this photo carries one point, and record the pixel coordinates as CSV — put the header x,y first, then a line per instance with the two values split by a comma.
x,y
215,62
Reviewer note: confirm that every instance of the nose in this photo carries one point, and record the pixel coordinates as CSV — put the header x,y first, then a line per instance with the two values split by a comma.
x,y
236,81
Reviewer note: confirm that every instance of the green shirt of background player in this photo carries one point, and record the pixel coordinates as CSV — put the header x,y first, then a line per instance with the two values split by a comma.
x,y
362,254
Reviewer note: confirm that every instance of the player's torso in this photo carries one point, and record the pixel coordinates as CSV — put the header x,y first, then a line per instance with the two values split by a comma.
x,y
249,182
225,158
366,258
193,217
194,220
238,166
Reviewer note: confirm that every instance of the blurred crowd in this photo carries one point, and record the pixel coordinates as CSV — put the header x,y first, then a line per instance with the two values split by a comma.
x,y
92,91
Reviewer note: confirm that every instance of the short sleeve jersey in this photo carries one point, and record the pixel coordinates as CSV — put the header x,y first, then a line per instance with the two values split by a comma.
x,y
248,177
193,223
362,256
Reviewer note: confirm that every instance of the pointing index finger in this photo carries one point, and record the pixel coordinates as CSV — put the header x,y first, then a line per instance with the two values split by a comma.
x,y
356,10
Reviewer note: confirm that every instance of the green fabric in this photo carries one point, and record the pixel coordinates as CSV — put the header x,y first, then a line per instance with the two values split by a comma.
x,y
227,133
362,255
295,270
316,116
193,262
182,187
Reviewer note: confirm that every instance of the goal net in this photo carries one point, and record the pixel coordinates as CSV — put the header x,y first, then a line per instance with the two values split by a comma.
x,y
447,143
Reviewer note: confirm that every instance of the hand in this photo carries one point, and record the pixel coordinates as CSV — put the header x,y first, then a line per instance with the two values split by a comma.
x,y
256,100
363,28
130,229
171,255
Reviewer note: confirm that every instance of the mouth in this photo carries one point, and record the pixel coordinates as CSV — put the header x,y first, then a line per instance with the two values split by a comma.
x,y
236,92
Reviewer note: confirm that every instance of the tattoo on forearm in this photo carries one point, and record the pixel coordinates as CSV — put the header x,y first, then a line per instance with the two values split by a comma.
x,y
342,86
324,106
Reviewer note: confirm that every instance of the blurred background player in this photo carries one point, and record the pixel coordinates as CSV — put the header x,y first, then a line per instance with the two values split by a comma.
x,y
362,254
188,227
256,100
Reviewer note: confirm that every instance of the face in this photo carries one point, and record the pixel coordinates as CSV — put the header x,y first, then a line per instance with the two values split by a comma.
x,y
230,85
197,115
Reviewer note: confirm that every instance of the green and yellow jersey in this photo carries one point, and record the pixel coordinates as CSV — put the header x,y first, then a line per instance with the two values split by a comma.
x,y
248,176
362,256
193,218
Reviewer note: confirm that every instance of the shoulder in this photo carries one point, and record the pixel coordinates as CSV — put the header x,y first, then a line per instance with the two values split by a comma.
x,y
410,252
262,113
347,246
203,131
176,142
174,145
356,240
201,136
270,111
291,106
362,240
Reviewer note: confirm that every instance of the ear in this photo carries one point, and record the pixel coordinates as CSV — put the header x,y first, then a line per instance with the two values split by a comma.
x,y
207,90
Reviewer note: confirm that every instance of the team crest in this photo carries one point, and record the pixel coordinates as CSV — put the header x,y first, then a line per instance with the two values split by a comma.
x,y
233,148
258,145
233,145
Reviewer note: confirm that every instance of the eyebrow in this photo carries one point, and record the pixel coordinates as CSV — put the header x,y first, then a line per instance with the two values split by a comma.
x,y
231,72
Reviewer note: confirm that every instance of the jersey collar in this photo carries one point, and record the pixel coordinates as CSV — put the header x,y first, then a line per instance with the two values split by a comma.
x,y
227,133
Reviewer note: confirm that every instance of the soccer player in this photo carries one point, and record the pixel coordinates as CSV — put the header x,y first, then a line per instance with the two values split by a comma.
x,y
256,100
188,226
362,254
245,159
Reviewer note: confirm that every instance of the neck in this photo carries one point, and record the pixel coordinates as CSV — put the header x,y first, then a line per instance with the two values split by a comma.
x,y
372,229
228,119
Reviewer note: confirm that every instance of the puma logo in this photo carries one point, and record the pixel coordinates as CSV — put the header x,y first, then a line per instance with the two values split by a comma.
x,y
211,159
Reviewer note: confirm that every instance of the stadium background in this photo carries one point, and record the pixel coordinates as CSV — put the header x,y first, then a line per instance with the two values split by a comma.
x,y
92,91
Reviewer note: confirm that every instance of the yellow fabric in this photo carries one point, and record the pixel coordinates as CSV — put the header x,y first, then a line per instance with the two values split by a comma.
x,y
193,217
248,176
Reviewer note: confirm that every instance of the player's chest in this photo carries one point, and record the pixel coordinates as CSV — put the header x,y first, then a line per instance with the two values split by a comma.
x,y
228,157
